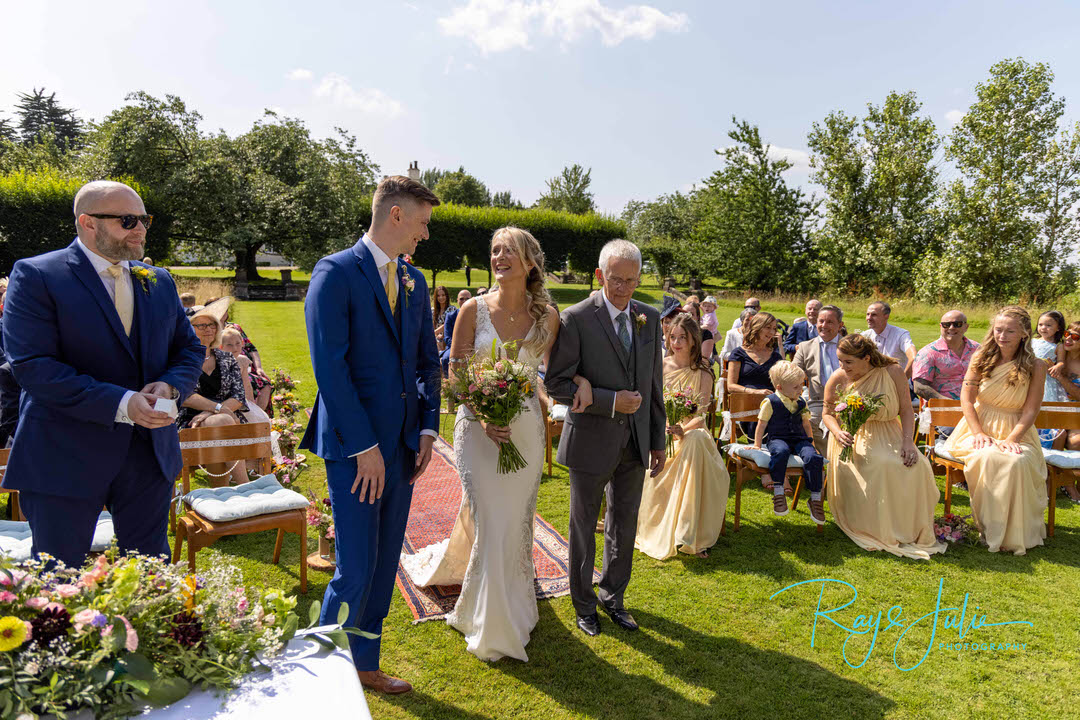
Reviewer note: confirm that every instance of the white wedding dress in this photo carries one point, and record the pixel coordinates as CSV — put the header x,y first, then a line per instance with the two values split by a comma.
x,y
489,552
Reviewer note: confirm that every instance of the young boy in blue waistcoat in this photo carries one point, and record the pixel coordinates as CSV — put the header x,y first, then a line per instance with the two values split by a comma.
x,y
784,425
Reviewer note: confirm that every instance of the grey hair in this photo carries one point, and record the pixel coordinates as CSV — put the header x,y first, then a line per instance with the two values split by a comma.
x,y
832,309
747,313
620,249
884,306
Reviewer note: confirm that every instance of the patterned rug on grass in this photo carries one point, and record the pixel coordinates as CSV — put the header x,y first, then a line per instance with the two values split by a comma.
x,y
435,504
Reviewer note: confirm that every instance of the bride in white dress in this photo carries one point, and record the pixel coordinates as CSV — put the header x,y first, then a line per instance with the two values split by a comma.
x,y
489,551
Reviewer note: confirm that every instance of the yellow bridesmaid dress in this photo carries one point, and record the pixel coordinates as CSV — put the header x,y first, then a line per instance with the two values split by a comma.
x,y
1008,491
682,509
874,498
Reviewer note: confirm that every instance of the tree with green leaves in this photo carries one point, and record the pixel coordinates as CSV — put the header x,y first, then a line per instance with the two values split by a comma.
x,y
41,115
505,200
569,191
461,188
754,229
996,213
881,190
664,230
431,177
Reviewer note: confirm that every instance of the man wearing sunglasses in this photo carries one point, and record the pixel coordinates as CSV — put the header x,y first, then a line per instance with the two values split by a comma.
x,y
95,339
752,303
939,367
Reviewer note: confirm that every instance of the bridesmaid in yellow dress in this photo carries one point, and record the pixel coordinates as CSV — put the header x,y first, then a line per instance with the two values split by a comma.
x,y
996,438
682,508
884,496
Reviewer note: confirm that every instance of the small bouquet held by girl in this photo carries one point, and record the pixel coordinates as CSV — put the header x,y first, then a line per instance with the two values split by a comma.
x,y
495,389
678,405
853,409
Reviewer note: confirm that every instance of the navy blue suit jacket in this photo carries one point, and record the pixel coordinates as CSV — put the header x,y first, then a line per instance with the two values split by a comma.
x,y
74,362
800,331
448,335
378,383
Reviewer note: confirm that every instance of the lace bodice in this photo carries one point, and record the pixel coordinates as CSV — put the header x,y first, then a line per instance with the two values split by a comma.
x,y
486,333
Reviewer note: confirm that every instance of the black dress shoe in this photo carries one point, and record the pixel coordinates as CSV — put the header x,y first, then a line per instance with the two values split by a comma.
x,y
622,618
589,624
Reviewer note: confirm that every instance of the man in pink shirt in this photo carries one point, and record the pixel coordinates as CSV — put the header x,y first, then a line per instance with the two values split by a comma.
x,y
939,368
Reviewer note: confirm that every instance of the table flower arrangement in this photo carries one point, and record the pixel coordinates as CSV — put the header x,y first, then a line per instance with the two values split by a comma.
x,y
123,633
321,517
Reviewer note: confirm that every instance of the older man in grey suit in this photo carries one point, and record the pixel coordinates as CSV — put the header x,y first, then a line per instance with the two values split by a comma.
x,y
614,343
817,358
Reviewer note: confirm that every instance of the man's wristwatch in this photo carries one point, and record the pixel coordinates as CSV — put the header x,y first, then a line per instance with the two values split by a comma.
x,y
217,408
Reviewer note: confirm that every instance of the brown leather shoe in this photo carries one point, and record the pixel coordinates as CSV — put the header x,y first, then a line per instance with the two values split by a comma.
x,y
379,681
779,505
817,511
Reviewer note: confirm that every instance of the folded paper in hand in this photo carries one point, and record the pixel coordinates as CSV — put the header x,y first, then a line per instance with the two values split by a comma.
x,y
167,406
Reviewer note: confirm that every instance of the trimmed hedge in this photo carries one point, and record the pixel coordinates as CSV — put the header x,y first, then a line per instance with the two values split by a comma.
x,y
458,231
36,217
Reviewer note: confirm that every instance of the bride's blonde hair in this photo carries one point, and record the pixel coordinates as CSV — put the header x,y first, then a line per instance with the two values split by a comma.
x,y
987,356
528,249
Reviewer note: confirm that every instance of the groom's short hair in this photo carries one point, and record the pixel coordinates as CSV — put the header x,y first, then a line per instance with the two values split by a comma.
x,y
396,190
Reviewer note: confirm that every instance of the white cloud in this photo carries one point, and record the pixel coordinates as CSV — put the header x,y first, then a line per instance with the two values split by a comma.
x,y
499,25
954,116
337,89
298,74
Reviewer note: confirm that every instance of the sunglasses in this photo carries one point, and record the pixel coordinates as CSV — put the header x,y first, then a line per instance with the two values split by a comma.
x,y
127,221
1072,336
954,324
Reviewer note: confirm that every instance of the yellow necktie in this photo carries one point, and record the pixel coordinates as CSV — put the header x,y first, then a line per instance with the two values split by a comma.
x,y
391,284
125,306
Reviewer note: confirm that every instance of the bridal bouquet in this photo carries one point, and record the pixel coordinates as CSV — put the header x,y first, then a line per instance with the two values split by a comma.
x,y
495,389
853,410
678,405
126,632
952,528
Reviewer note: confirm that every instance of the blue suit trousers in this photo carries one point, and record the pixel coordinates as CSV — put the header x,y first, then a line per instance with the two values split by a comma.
x,y
368,539
813,463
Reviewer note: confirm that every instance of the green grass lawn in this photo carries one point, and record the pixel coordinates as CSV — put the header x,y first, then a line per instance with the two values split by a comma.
x,y
713,644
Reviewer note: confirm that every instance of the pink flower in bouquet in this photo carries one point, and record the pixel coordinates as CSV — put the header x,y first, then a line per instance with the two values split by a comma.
x,y
86,617
67,590
242,605
473,388
37,603
29,631
841,407
96,574
499,367
8,597
330,533
502,384
131,642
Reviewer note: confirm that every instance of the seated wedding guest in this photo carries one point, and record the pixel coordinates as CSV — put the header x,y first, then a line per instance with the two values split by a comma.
x,y
439,308
708,316
939,368
884,495
188,301
1048,347
148,260
447,334
232,342
481,291
261,384
749,365
733,338
891,341
707,340
219,397
996,439
9,404
817,358
752,303
784,426
670,309
802,329
682,509
1067,373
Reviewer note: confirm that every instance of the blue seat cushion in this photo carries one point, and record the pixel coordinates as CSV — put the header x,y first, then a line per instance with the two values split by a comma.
x,y
759,456
15,540
258,497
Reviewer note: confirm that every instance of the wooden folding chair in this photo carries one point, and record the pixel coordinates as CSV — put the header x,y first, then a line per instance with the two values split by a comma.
x,y
944,412
16,511
743,406
231,444
1062,466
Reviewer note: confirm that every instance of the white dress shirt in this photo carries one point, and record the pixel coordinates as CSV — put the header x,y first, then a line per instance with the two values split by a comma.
x,y
732,340
101,267
614,312
893,341
381,259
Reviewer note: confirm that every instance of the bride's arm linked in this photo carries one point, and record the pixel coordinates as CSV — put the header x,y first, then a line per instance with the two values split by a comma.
x,y
461,349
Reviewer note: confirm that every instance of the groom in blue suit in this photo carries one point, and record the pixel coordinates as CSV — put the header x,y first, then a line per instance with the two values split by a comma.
x,y
94,339
376,416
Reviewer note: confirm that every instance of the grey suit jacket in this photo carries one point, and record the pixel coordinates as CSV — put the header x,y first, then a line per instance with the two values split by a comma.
x,y
808,357
588,346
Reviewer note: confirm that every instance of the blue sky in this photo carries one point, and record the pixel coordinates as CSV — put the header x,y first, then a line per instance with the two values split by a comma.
x,y
516,89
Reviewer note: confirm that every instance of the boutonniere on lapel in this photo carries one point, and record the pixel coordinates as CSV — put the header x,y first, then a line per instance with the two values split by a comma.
x,y
639,319
145,276
407,283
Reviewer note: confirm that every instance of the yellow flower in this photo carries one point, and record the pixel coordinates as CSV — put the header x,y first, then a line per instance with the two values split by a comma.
x,y
189,592
12,633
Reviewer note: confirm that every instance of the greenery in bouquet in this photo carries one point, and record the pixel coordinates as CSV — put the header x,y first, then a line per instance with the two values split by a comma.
x,y
495,389
959,529
678,405
123,633
852,410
